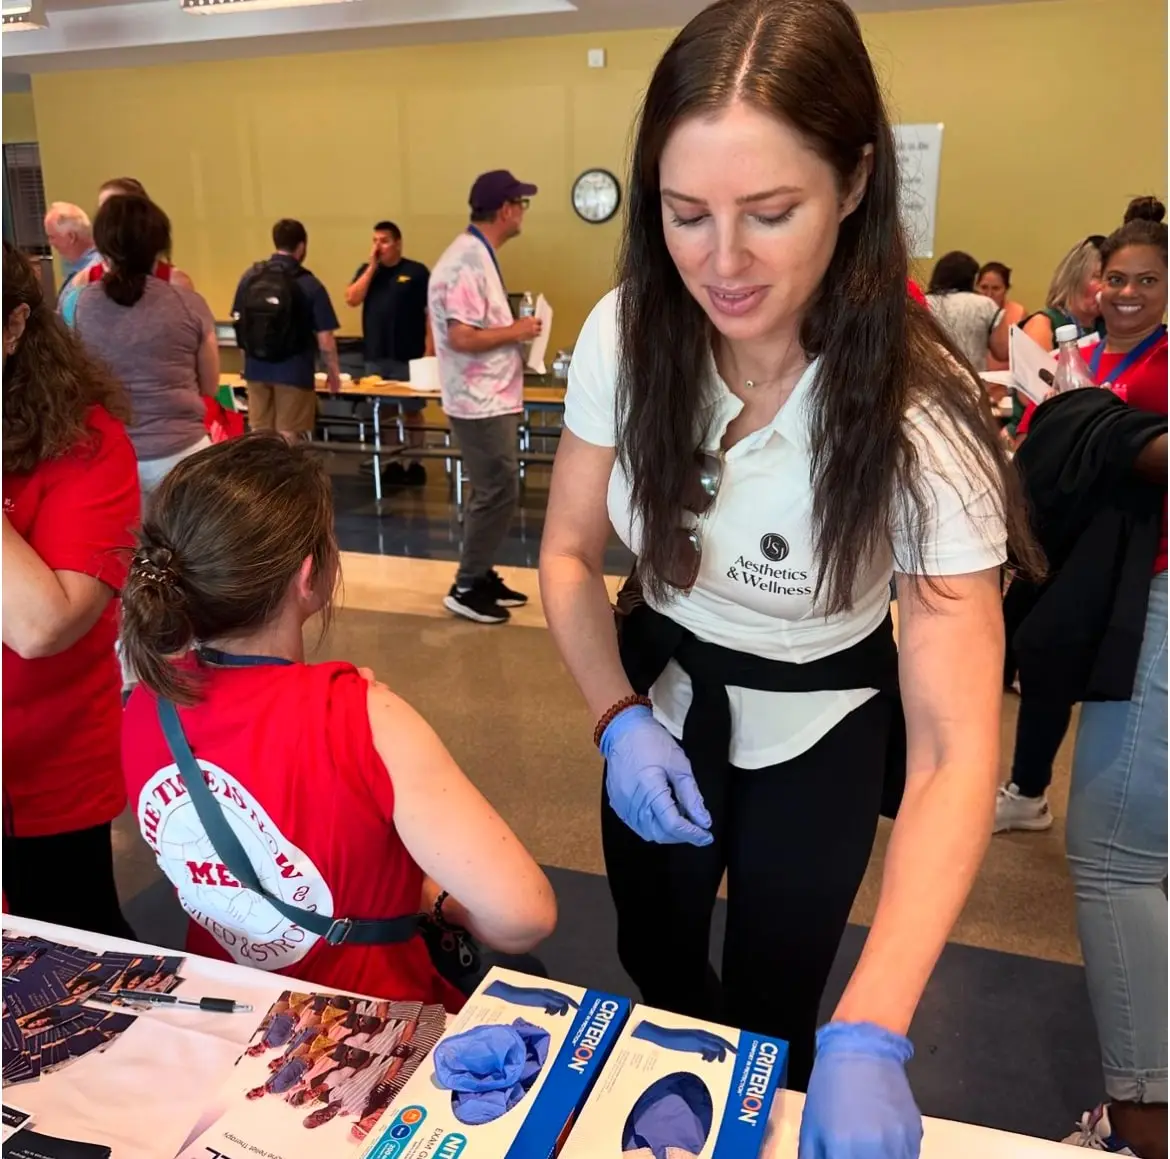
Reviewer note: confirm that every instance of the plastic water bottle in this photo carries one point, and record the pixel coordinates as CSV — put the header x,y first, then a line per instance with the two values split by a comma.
x,y
527,307
1071,371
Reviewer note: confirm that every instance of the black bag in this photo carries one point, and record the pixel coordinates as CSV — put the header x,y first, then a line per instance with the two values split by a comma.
x,y
273,323
454,953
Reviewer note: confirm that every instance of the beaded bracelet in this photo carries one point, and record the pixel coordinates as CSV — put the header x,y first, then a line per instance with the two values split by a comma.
x,y
437,915
616,710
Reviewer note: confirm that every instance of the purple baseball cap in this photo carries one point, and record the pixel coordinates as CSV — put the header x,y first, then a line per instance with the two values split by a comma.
x,y
492,190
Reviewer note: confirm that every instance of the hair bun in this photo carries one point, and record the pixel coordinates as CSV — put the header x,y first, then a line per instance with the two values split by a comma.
x,y
159,556
1145,209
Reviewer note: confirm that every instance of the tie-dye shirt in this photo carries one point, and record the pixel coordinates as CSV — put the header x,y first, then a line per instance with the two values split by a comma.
x,y
466,287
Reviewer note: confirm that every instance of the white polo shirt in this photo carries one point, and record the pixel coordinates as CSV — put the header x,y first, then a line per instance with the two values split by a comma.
x,y
754,591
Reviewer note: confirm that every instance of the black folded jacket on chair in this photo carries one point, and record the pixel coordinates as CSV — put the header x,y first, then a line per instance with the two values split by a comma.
x,y
1077,634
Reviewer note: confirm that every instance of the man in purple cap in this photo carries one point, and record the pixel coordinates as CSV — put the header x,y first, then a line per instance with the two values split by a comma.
x,y
480,348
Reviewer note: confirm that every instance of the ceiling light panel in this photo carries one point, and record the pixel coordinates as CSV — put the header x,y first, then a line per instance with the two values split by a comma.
x,y
219,7
23,15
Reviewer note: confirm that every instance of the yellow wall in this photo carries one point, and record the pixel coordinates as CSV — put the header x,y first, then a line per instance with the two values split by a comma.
x,y
1054,114
341,140
20,122
1052,121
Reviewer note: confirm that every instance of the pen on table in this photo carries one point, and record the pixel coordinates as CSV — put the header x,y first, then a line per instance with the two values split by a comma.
x,y
215,1005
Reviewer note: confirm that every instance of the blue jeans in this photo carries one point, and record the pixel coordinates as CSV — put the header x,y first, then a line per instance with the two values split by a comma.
x,y
1117,853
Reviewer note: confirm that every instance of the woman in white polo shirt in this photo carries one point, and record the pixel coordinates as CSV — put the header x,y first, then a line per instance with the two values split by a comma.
x,y
775,430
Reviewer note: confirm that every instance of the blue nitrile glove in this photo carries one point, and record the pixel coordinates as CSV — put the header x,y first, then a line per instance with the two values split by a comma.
x,y
549,1000
536,1040
650,783
485,1058
859,1103
673,1114
702,1042
490,1068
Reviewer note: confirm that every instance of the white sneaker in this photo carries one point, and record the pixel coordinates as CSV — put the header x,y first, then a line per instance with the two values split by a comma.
x,y
1015,811
1095,1134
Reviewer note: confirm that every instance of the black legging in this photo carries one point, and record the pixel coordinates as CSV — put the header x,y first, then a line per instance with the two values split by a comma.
x,y
795,840
1040,730
67,878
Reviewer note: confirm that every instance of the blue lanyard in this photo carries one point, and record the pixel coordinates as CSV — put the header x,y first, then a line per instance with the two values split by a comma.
x,y
488,245
230,660
1138,352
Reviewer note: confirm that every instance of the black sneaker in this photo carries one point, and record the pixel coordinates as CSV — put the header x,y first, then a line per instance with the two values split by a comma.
x,y
504,595
416,475
477,603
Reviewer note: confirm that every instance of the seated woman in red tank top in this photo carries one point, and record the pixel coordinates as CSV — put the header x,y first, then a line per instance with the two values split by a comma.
x,y
343,798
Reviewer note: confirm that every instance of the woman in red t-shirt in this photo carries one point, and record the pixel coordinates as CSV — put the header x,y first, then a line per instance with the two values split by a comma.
x,y
70,505
345,802
1117,833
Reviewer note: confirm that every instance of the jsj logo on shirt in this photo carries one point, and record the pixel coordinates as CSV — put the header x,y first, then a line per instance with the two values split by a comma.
x,y
765,575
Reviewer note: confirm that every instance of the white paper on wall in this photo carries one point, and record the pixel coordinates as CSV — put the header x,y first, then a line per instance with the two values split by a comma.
x,y
919,153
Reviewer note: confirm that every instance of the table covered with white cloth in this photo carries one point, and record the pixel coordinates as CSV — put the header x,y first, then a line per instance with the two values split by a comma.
x,y
143,1096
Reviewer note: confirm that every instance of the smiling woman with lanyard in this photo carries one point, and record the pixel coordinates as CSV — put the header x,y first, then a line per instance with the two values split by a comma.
x,y
775,429
1117,835
1133,304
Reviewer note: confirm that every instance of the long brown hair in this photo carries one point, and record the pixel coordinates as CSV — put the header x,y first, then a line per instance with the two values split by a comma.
x,y
224,536
803,61
50,382
130,232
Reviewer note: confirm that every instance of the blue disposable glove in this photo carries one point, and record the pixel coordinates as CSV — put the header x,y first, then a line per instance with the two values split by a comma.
x,y
859,1103
549,1000
650,783
673,1114
485,1058
702,1042
490,1068
536,1040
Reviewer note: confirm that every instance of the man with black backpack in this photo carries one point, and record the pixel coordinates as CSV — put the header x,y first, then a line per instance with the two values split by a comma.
x,y
283,316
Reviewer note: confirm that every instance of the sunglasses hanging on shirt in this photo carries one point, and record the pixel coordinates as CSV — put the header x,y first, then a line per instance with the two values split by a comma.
x,y
686,545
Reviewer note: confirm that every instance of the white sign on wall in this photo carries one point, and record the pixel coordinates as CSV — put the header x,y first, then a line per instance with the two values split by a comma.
x,y
919,151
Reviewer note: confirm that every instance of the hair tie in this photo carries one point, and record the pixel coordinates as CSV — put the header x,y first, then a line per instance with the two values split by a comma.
x,y
154,572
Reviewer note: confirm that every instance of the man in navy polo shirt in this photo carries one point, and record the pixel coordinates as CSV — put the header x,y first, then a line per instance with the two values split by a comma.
x,y
282,393
392,292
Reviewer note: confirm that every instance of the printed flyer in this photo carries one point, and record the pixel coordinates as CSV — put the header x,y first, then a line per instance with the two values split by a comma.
x,y
316,1078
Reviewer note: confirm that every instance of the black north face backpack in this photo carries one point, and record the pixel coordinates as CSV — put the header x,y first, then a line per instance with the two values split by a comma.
x,y
273,323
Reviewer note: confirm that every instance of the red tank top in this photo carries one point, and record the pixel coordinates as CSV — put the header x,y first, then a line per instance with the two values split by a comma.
x,y
162,271
289,752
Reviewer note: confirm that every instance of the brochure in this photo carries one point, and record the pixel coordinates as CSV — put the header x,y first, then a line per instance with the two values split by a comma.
x,y
316,1077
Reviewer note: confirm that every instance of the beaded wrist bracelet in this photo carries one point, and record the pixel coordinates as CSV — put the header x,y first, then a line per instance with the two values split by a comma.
x,y
616,710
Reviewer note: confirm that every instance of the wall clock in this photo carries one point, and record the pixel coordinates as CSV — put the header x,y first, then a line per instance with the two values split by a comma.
x,y
596,196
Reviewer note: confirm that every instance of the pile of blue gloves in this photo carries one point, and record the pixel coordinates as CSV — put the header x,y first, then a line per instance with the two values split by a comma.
x,y
489,1069
674,1114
